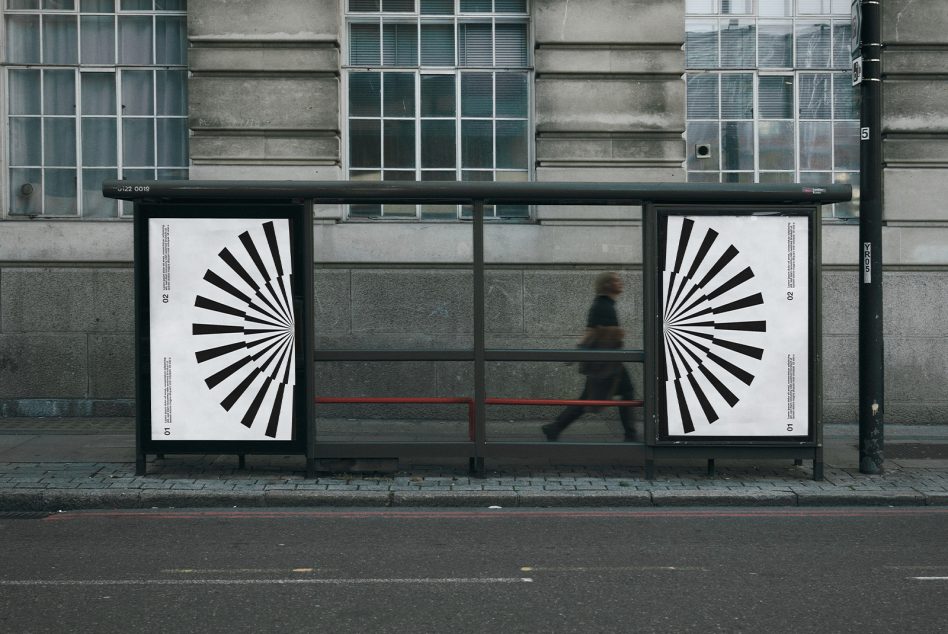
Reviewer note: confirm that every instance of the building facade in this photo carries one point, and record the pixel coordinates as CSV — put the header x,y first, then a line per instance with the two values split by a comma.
x,y
479,90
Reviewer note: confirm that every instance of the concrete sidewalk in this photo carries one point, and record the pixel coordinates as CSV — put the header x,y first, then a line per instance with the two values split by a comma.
x,y
52,465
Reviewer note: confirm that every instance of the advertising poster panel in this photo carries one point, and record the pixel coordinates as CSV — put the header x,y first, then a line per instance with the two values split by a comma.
x,y
735,338
222,329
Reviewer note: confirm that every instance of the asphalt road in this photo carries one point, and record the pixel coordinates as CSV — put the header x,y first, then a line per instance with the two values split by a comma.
x,y
487,570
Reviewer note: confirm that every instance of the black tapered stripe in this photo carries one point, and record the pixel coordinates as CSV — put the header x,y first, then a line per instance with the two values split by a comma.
x,y
675,302
697,324
753,326
210,304
238,268
680,311
215,379
663,364
694,333
269,230
272,355
670,354
276,298
681,334
274,311
279,364
268,347
263,322
251,248
286,299
722,389
262,340
706,407
683,313
226,286
686,366
251,412
275,414
261,331
735,281
687,346
687,315
751,300
729,254
238,391
214,329
746,377
213,353
668,292
288,365
683,239
686,421
267,313
750,351
709,239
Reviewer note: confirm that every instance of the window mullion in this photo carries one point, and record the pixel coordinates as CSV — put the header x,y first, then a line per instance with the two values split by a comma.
x,y
77,117
417,118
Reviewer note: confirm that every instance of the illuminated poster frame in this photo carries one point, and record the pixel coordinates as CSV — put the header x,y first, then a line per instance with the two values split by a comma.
x,y
734,336
223,329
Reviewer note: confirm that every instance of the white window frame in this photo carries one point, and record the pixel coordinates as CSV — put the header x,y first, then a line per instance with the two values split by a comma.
x,y
79,68
418,71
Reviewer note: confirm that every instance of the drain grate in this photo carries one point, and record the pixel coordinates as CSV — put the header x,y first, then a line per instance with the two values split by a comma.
x,y
23,515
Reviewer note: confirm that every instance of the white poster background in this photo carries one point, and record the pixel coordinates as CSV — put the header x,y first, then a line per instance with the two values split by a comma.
x,y
776,401
183,406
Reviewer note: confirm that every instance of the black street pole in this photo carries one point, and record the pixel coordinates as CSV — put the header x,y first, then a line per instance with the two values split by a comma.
x,y
871,358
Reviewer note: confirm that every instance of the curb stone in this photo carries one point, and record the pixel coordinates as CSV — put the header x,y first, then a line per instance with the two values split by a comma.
x,y
584,498
455,499
861,498
325,498
723,498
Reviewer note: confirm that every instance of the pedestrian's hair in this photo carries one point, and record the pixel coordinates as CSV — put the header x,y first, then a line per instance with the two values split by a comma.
x,y
603,284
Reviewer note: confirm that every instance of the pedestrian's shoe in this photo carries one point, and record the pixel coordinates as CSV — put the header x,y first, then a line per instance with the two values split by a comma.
x,y
550,431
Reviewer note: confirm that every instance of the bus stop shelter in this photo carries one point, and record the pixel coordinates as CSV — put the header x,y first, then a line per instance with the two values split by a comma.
x,y
224,326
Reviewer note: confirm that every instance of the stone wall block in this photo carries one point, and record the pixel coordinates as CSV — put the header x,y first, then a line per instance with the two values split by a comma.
x,y
915,106
43,366
557,303
915,368
112,366
503,302
841,368
113,301
914,304
48,300
254,20
840,302
267,59
638,21
253,103
608,59
621,105
915,194
911,21
412,301
331,312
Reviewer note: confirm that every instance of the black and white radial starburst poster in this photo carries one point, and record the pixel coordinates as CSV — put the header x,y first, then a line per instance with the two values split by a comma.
x,y
222,329
735,326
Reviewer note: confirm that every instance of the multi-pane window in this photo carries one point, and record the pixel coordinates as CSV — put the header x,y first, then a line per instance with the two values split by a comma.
x,y
438,90
97,90
770,95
